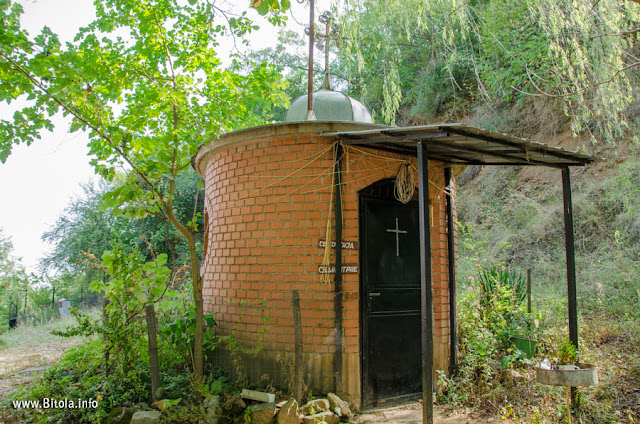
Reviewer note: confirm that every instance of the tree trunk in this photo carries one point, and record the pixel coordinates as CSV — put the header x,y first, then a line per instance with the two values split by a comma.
x,y
298,366
105,317
198,360
198,357
154,365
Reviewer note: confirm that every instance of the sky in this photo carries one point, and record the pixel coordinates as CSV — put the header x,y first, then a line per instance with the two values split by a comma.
x,y
38,181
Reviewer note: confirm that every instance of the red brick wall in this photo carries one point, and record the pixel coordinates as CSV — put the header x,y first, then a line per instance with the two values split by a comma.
x,y
268,205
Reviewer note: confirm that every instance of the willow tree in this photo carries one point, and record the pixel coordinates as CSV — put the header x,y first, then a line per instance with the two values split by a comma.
x,y
412,56
145,83
592,49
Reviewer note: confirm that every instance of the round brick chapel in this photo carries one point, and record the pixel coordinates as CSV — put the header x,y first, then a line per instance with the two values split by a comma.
x,y
269,207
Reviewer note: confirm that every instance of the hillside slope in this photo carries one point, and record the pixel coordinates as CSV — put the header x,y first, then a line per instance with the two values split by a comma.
x,y
514,217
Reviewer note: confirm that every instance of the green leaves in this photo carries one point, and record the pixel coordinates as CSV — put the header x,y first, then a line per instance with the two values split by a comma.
x,y
12,274
438,60
131,200
146,102
501,284
180,333
265,6
152,92
133,282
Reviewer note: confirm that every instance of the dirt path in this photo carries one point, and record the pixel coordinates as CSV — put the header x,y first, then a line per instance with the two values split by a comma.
x,y
21,364
412,414
29,350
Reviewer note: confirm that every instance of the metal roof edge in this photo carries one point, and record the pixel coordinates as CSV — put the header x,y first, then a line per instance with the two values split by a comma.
x,y
460,129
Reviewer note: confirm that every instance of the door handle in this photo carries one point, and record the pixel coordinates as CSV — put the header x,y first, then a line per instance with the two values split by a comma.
x,y
374,294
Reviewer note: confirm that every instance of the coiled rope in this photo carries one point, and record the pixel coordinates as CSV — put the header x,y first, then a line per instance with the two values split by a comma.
x,y
405,184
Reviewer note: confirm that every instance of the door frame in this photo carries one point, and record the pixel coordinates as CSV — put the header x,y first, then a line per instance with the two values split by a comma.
x,y
364,296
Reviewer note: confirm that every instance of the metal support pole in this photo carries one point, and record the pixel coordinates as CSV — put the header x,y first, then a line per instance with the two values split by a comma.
x,y
451,253
529,290
571,265
425,286
12,321
571,259
337,365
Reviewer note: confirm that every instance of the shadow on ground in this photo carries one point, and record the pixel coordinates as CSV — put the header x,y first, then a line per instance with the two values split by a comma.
x,y
412,414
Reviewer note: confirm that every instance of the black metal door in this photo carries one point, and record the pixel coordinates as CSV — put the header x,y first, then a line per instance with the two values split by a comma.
x,y
390,301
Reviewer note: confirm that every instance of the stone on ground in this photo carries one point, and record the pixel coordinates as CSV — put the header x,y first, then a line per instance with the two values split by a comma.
x,y
340,407
162,404
234,406
315,406
288,413
211,406
511,376
119,416
259,396
262,413
326,417
146,417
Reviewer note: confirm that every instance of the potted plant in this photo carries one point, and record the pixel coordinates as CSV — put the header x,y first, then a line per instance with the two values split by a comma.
x,y
525,331
566,370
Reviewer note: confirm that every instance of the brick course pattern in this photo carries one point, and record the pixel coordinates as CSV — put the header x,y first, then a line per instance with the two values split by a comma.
x,y
267,204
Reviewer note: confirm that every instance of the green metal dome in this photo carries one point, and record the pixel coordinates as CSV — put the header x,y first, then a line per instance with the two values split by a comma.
x,y
329,105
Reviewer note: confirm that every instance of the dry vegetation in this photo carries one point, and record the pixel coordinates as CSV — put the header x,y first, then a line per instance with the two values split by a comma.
x,y
29,350
514,217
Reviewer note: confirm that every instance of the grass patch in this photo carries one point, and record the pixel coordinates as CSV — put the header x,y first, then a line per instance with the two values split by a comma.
x,y
33,335
511,221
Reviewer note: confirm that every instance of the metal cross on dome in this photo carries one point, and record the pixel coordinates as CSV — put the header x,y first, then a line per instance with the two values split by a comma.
x,y
324,42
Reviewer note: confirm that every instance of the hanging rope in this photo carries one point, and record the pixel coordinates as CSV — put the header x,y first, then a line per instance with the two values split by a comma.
x,y
405,184
368,156
326,258
360,165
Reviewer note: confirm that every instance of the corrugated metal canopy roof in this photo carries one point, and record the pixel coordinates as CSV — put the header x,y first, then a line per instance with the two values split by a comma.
x,y
459,144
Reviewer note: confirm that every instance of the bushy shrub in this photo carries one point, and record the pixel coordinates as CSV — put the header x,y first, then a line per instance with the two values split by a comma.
x,y
80,375
492,310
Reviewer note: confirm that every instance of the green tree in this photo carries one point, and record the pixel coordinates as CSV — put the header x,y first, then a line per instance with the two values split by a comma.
x,y
81,228
10,266
13,278
84,227
411,57
406,58
289,55
145,82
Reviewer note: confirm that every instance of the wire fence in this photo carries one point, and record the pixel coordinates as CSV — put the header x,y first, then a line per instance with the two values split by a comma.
x,y
25,308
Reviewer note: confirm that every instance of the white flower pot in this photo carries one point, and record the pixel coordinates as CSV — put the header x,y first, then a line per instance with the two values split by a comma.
x,y
568,375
